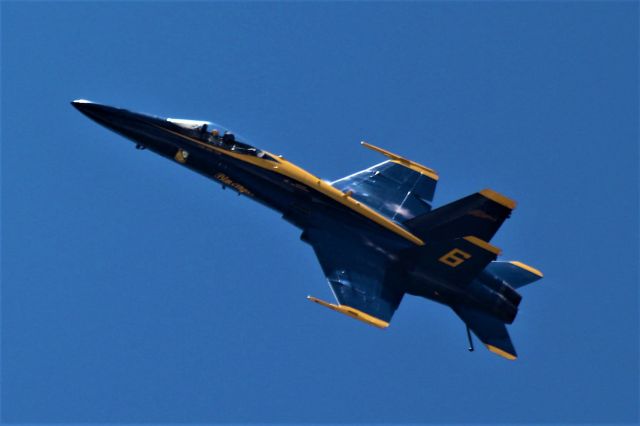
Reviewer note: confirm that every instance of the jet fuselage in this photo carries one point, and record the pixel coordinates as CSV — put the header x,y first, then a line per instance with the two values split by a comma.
x,y
303,199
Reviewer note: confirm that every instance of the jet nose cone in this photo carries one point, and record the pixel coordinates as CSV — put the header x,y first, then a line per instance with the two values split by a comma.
x,y
135,126
86,107
103,114
78,102
89,108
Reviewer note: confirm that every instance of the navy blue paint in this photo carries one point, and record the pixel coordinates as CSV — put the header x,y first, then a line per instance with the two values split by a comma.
x,y
368,267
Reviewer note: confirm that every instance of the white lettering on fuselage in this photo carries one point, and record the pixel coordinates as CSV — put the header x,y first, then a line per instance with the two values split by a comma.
x,y
226,180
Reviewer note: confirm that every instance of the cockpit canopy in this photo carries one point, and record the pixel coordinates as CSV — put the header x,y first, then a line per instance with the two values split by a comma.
x,y
218,136
200,126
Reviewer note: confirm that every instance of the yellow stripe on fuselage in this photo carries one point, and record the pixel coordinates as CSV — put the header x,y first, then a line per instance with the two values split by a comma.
x,y
292,171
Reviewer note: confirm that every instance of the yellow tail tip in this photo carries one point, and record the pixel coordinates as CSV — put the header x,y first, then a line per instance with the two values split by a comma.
x,y
502,353
498,198
527,268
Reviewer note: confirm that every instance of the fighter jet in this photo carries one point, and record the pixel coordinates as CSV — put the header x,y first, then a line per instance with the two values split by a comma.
x,y
374,232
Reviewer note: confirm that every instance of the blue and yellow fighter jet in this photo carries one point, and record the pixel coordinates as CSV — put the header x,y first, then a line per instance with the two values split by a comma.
x,y
374,232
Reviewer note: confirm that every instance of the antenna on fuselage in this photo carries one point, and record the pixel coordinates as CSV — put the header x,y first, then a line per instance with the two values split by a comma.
x,y
470,339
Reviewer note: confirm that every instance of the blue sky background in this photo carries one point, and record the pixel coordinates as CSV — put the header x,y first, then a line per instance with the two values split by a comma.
x,y
136,291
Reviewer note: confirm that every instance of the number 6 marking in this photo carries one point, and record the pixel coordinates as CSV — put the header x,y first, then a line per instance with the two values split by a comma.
x,y
454,257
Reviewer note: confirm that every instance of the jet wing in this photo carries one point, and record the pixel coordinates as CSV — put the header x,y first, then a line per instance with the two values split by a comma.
x,y
399,189
360,275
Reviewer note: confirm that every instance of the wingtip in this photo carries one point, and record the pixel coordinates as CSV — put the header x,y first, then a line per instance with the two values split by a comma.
x,y
502,353
498,198
429,172
352,312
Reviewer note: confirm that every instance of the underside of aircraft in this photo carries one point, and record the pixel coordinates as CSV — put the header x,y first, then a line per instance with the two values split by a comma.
x,y
375,232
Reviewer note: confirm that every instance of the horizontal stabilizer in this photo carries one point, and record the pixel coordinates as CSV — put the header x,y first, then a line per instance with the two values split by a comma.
x,y
514,273
480,214
491,331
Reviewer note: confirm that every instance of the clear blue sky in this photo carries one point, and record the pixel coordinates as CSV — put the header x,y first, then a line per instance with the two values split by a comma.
x,y
136,291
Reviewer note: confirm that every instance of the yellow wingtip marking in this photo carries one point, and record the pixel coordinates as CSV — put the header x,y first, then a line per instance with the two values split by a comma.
x,y
498,198
352,312
527,268
483,244
403,161
502,353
